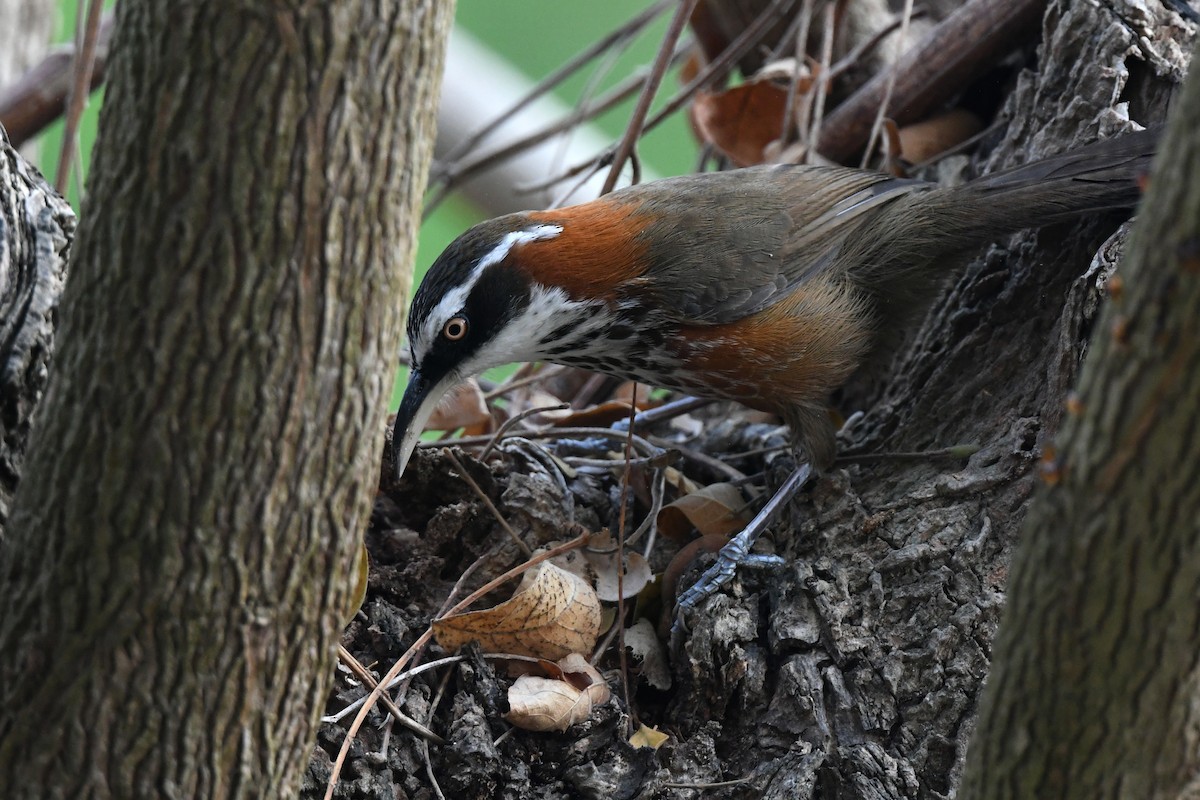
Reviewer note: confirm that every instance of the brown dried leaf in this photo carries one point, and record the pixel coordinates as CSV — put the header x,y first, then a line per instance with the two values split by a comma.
x,y
604,565
744,120
716,509
463,407
555,704
923,140
677,480
555,614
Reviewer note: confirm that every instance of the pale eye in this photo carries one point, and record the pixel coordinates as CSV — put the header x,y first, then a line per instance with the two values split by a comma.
x,y
455,328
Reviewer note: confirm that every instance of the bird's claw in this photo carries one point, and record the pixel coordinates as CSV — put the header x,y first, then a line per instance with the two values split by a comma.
x,y
737,551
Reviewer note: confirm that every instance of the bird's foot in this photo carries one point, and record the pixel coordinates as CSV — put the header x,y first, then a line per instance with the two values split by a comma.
x,y
737,552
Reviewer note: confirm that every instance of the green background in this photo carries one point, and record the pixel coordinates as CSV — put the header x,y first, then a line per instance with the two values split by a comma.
x,y
536,37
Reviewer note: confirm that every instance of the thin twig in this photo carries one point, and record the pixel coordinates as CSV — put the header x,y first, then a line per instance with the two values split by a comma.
x,y
453,175
513,420
423,639
624,33
887,92
433,704
37,98
554,433
361,672
867,45
745,41
650,523
713,785
801,48
621,560
487,501
818,106
657,71
85,59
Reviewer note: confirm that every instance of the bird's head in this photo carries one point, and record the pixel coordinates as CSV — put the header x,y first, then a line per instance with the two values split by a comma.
x,y
479,306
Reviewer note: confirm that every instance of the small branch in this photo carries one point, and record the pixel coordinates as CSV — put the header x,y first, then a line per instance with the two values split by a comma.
x,y
36,99
661,61
84,62
748,39
368,680
929,74
619,36
487,501
890,87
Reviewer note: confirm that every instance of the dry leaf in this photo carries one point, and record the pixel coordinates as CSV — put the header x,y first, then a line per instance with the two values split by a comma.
x,y
604,565
555,704
677,480
744,120
555,614
648,737
646,647
923,140
716,509
462,407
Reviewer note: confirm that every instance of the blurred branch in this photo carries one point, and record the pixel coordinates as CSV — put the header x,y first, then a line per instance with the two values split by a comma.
x,y
931,73
36,99
618,38
636,120
79,89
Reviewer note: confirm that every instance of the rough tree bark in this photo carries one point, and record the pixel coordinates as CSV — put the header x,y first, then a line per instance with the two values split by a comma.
x,y
36,226
181,550
855,671
1093,691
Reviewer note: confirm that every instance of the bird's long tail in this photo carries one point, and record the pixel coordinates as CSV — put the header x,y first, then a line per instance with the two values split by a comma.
x,y
1100,176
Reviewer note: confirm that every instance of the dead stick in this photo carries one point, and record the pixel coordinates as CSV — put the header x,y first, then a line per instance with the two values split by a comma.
x,y
928,75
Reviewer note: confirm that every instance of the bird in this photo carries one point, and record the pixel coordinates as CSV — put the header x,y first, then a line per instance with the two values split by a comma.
x,y
768,285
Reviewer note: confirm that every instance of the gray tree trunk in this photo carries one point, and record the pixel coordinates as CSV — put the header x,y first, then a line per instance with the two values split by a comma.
x,y
1093,691
181,553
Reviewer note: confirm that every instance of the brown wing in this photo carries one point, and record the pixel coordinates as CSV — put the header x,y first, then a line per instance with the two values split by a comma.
x,y
778,226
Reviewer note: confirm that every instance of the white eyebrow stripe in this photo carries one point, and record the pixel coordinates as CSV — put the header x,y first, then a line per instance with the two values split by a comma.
x,y
500,252
453,301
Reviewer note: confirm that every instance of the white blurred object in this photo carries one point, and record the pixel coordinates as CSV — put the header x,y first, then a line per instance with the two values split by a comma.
x,y
479,86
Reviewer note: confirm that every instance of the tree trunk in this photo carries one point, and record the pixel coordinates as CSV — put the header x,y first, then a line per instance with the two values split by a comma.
x,y
181,553
1093,691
